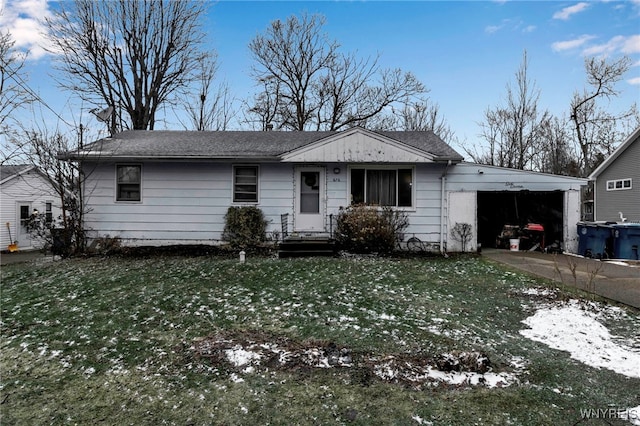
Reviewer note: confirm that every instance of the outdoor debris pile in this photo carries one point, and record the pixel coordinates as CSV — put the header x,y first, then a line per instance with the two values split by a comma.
x,y
529,237
254,352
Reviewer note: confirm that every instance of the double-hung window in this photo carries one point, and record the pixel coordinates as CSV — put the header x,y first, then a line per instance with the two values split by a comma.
x,y
245,184
48,212
382,186
128,182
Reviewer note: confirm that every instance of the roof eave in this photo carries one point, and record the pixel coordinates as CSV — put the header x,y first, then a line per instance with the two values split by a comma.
x,y
111,158
20,173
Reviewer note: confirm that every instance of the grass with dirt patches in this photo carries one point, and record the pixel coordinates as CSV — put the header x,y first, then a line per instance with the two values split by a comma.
x,y
116,341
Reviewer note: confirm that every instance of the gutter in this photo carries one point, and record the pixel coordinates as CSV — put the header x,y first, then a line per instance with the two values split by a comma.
x,y
443,187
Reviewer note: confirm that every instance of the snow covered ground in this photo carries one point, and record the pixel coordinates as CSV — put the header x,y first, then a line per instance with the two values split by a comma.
x,y
573,328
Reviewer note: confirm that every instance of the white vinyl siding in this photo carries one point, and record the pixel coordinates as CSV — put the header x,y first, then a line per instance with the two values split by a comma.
x,y
184,202
31,189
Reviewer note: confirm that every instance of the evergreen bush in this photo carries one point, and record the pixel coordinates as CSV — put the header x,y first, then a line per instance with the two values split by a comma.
x,y
245,227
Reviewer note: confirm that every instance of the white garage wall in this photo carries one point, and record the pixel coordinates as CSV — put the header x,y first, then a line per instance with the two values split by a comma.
x,y
462,209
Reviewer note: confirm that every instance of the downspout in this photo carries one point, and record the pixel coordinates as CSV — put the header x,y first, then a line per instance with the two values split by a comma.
x,y
443,186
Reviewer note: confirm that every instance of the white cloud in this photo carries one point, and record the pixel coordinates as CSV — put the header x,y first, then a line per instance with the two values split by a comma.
x,y
24,20
634,81
631,44
566,13
623,44
560,46
510,25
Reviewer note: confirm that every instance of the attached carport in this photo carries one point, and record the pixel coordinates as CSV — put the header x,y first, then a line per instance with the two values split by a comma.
x,y
492,197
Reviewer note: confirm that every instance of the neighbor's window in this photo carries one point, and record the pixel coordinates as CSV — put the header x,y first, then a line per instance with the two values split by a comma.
x,y
382,186
129,178
48,212
619,184
245,184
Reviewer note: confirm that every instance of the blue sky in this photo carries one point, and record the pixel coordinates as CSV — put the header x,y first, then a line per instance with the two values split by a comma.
x,y
464,52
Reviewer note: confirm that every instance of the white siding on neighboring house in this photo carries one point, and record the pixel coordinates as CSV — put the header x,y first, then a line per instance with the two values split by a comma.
x,y
28,189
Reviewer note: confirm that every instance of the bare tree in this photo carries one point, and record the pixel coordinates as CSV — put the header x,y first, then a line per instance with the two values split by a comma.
x,y
555,154
512,131
420,115
265,106
132,55
595,128
319,87
13,92
212,109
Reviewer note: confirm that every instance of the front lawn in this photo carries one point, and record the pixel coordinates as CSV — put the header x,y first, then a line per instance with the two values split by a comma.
x,y
202,340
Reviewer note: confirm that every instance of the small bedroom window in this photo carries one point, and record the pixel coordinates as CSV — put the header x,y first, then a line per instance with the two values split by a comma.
x,y
128,182
245,184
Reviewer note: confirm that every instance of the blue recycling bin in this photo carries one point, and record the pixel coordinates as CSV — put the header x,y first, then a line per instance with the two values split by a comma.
x,y
626,241
595,239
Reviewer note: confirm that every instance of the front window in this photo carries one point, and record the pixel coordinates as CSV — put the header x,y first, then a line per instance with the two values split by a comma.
x,y
245,184
382,186
129,179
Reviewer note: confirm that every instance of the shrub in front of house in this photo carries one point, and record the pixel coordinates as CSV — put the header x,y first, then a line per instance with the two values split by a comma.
x,y
368,229
245,227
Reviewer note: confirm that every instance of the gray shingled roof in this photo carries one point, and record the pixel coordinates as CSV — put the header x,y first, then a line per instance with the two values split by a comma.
x,y
237,144
11,170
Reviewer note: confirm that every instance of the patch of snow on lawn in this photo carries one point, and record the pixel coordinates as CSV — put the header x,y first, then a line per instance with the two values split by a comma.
x,y
239,357
572,329
631,414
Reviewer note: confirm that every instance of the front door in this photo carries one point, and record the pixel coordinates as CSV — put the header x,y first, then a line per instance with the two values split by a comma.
x,y
23,237
310,194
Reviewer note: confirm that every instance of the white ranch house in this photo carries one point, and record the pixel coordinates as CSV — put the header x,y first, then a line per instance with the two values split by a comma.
x,y
174,187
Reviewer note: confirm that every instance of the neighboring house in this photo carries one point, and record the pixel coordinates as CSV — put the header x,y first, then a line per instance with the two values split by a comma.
x,y
616,183
174,187
25,189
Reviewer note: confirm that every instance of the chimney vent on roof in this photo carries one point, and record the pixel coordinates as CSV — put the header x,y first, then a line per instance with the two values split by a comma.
x,y
269,127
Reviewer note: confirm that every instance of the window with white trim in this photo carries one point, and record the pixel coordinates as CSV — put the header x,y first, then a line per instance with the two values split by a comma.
x,y
382,186
48,212
128,182
618,184
245,184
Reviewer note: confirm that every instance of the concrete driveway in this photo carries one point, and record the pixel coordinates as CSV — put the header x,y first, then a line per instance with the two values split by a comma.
x,y
609,279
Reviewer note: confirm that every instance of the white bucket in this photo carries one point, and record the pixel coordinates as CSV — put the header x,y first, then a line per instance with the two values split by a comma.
x,y
514,244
